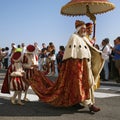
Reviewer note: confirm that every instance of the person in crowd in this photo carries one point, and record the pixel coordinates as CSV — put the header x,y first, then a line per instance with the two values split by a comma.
x,y
51,59
43,56
18,49
106,51
37,49
29,62
13,49
6,57
14,79
23,48
79,72
48,61
59,57
97,46
116,57
3,54
112,69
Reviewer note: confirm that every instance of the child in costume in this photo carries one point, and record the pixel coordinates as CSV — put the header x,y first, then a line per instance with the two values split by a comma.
x,y
14,79
30,61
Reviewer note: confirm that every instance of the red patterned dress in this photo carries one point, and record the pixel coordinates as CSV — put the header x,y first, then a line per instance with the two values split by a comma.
x,y
77,76
14,78
71,87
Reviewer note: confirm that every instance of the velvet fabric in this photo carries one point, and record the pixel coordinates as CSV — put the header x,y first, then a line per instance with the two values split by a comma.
x,y
5,86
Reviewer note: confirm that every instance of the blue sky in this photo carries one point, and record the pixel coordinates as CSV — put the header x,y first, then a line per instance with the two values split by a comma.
x,y
40,21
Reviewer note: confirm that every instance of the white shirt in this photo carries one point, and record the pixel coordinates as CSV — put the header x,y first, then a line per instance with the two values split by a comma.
x,y
106,52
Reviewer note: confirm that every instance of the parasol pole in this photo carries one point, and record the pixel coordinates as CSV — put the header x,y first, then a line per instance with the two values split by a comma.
x,y
93,18
94,30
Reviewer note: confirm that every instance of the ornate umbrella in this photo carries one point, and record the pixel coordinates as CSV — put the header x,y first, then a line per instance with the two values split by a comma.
x,y
87,7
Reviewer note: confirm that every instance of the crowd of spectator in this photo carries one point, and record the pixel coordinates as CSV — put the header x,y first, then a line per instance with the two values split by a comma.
x,y
111,55
48,57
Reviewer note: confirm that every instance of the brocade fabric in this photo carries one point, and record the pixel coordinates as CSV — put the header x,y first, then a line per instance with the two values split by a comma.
x,y
71,86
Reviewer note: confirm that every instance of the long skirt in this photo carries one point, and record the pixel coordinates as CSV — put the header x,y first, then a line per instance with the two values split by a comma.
x,y
71,86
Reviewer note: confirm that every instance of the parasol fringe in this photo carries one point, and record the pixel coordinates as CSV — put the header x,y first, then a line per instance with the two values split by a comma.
x,y
110,7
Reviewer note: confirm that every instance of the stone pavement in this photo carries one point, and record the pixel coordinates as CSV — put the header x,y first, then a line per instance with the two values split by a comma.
x,y
108,83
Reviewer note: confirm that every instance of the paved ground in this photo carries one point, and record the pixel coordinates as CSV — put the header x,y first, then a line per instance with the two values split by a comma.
x,y
107,97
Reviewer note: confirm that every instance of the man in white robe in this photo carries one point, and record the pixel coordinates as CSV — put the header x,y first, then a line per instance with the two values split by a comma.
x,y
80,47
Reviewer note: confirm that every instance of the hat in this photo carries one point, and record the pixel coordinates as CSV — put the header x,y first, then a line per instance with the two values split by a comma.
x,y
88,25
106,40
16,56
30,48
79,23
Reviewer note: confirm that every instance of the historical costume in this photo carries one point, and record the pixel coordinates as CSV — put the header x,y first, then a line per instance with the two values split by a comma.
x,y
30,60
78,74
89,31
14,79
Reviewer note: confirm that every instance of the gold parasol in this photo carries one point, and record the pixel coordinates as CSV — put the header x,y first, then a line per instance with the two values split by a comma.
x,y
87,7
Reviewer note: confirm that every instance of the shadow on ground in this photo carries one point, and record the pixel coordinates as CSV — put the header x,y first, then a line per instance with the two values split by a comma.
x,y
36,109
